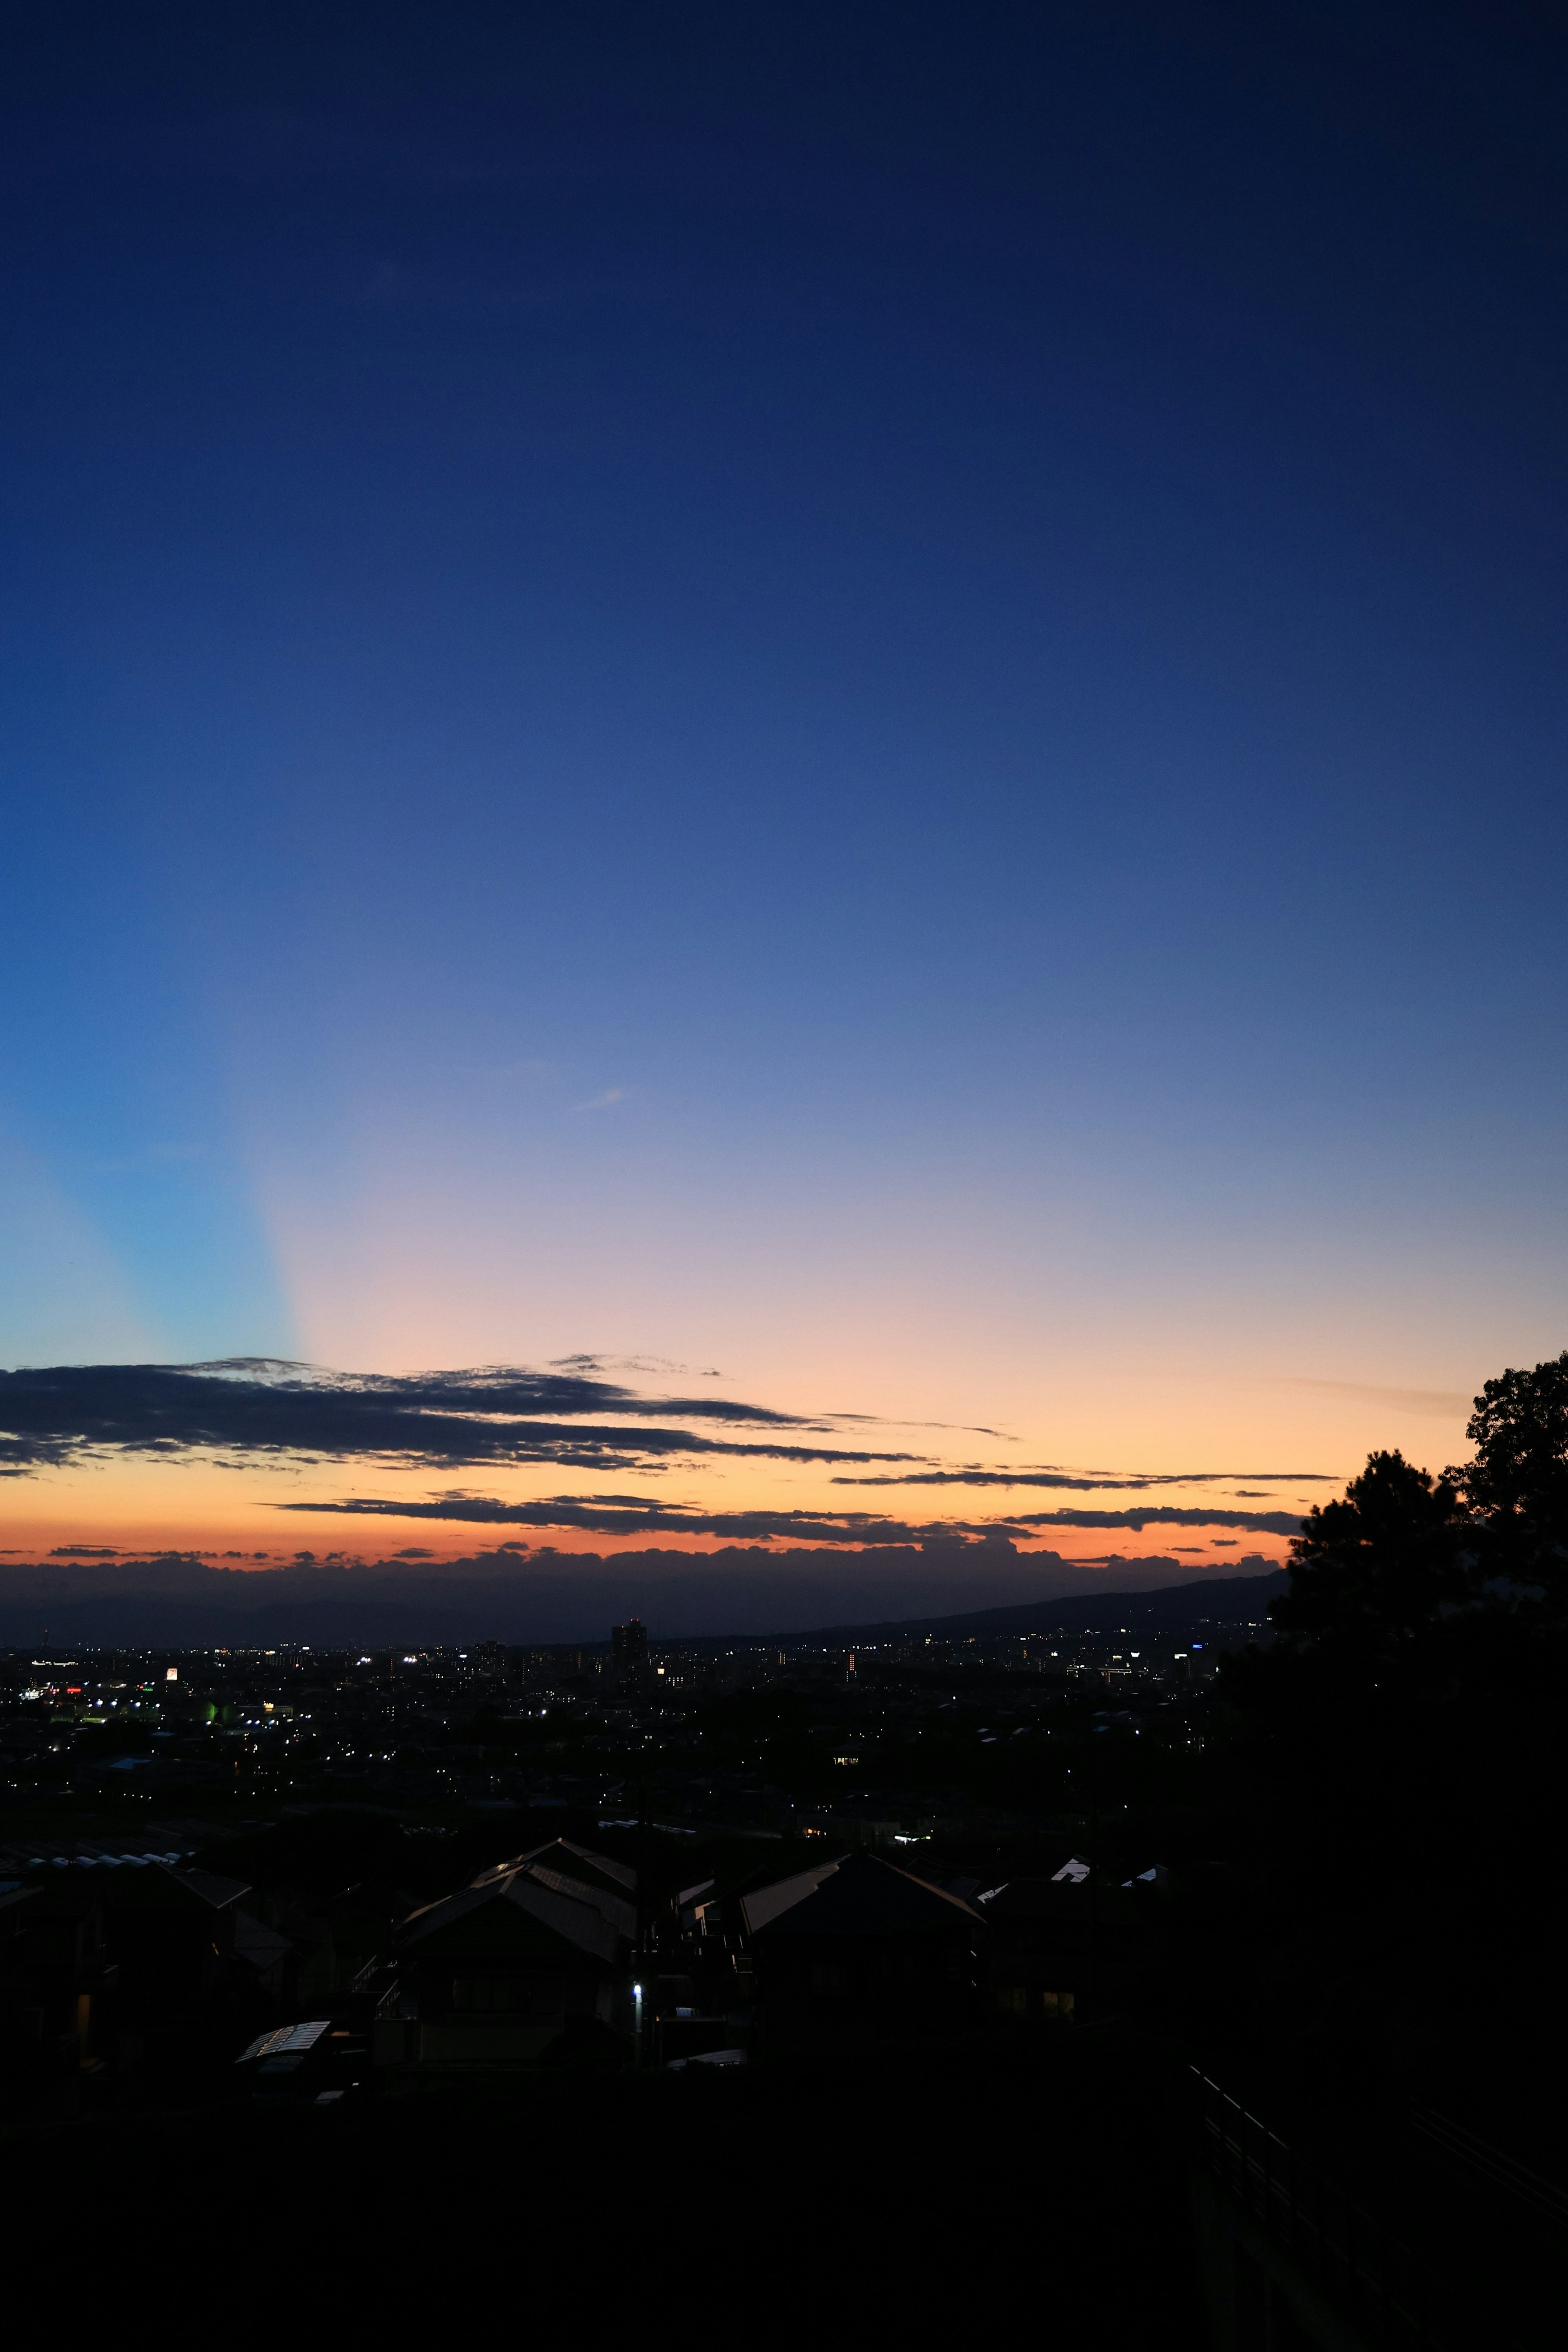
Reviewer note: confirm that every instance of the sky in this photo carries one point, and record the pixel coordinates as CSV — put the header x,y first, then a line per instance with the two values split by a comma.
x,y
854,710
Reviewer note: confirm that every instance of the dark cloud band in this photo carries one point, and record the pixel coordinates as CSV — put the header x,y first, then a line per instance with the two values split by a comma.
x,y
250,1409
630,1515
438,1420
636,1515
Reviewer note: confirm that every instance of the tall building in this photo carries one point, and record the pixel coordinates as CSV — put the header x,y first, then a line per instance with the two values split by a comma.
x,y
628,1645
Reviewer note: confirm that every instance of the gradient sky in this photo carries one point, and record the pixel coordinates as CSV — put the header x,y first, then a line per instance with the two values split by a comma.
x,y
869,697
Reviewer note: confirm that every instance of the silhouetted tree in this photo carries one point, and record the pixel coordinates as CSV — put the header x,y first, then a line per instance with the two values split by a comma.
x,y
1517,1485
1374,1572
1395,1760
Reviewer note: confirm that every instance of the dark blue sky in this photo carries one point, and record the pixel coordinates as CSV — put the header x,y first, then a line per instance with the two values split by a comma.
x,y
876,680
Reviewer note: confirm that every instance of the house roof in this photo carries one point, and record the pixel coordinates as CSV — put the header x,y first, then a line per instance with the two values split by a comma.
x,y
518,1915
571,1862
621,1915
160,1887
858,1896
261,1946
1064,1900
765,1903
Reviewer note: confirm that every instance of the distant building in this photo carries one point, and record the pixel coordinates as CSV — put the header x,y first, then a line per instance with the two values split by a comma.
x,y
628,1646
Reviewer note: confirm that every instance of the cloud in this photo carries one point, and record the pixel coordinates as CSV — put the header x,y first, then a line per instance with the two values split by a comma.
x,y
623,1514
1084,1481
1262,1523
20,1456
88,1551
569,1417
1441,1405
637,1515
500,1414
603,1102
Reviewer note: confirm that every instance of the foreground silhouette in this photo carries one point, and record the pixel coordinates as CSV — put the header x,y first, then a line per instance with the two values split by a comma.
x,y
1386,1789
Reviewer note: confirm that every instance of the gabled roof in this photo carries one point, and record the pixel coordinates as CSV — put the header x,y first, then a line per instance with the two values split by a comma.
x,y
858,1896
261,1946
161,1887
1065,1901
765,1904
572,1862
517,1917
621,1915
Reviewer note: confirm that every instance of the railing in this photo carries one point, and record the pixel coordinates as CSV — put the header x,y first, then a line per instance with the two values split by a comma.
x,y
1505,2172
1385,2289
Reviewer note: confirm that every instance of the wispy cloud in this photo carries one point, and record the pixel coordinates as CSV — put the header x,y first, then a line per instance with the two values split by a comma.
x,y
603,1102
1085,1481
1262,1523
1439,1404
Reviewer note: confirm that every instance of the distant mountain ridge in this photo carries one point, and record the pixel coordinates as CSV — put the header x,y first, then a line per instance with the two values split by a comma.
x,y
180,1601
1221,1600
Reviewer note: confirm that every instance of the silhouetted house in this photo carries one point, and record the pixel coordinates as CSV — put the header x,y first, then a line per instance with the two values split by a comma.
x,y
270,1963
57,1988
333,1938
106,1957
171,1932
491,1977
859,1946
1059,1943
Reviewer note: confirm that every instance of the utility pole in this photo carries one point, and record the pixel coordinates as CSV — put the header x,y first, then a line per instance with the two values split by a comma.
x,y
1093,1875
646,1955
